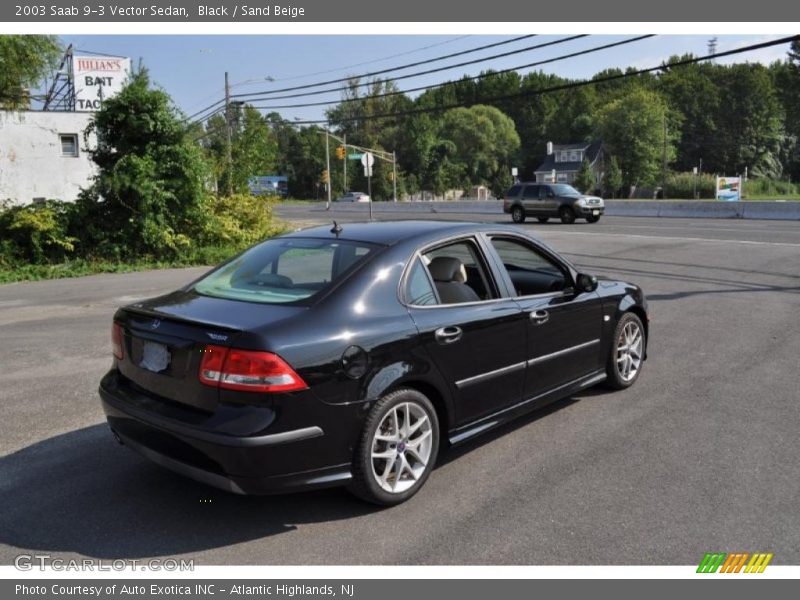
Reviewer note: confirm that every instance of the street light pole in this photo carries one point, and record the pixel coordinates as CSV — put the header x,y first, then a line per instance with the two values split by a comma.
x,y
228,136
344,145
394,174
328,167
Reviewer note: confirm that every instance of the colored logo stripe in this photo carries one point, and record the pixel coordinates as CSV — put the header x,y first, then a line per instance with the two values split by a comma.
x,y
734,562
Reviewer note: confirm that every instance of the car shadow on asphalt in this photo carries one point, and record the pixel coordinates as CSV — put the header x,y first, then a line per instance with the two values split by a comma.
x,y
80,492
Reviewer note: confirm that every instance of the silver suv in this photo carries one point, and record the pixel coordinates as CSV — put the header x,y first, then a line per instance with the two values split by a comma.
x,y
545,200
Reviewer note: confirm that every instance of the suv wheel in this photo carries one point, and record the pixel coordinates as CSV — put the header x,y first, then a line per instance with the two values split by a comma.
x,y
567,215
518,214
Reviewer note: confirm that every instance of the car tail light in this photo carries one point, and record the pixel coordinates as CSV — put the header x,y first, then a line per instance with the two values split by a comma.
x,y
116,340
247,370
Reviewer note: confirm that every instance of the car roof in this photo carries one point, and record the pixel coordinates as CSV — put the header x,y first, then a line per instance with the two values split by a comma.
x,y
390,233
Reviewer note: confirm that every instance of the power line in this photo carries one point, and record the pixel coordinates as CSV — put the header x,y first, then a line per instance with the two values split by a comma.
x,y
375,60
399,68
567,86
467,78
201,114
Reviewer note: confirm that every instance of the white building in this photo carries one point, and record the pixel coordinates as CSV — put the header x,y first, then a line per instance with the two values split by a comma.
x,y
43,155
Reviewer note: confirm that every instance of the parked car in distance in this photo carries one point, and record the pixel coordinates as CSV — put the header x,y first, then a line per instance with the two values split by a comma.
x,y
353,197
551,200
350,356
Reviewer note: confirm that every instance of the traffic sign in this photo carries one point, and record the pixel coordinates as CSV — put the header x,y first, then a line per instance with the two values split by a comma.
x,y
355,155
367,159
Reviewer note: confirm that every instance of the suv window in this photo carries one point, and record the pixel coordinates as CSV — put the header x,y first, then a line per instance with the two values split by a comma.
x,y
529,270
459,273
284,270
514,191
531,192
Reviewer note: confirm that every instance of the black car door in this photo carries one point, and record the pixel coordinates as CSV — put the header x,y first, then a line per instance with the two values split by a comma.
x,y
473,336
563,325
530,199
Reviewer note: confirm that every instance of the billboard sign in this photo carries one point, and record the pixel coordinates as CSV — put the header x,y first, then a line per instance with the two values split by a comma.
x,y
729,189
97,78
269,185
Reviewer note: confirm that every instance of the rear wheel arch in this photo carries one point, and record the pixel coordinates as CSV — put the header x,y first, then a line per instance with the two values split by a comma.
x,y
437,398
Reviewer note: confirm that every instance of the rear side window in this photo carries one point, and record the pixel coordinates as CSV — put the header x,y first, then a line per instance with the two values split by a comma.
x,y
285,270
419,289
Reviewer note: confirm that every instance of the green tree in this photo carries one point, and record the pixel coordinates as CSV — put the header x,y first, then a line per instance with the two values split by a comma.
x,y
633,129
485,141
25,60
612,178
148,197
584,178
254,148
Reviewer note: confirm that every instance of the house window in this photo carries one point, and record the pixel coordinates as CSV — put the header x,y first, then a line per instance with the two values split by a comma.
x,y
69,144
564,156
563,177
575,156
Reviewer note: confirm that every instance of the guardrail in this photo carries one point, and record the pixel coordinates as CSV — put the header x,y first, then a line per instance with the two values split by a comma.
x,y
772,210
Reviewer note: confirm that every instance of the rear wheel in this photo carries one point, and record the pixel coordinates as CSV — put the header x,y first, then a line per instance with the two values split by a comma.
x,y
567,215
626,354
592,218
518,214
543,219
397,449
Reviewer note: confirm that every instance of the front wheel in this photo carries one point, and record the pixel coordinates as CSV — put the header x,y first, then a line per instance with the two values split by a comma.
x,y
518,214
592,218
397,449
567,215
626,354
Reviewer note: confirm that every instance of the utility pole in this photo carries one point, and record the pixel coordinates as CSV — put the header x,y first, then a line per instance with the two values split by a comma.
x,y
664,163
328,166
394,174
228,134
344,144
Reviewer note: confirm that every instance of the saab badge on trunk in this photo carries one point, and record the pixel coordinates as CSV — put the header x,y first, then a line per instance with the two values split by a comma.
x,y
155,357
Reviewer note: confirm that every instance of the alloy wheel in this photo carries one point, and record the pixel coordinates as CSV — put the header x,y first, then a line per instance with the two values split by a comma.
x,y
401,447
629,351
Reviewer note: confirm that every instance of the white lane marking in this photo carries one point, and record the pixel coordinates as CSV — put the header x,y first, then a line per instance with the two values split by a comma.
x,y
672,238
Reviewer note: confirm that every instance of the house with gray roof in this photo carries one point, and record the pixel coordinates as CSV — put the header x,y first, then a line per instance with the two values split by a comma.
x,y
565,159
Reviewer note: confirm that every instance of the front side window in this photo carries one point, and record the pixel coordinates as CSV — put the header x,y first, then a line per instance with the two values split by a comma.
x,y
530,271
285,270
531,192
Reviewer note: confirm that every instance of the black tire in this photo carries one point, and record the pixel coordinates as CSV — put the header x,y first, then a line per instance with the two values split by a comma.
x,y
567,215
615,379
364,484
543,219
592,218
518,214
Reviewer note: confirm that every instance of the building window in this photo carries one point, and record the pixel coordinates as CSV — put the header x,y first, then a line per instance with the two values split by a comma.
x,y
563,177
564,156
69,144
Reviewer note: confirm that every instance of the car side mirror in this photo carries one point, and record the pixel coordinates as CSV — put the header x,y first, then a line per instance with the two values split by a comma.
x,y
586,283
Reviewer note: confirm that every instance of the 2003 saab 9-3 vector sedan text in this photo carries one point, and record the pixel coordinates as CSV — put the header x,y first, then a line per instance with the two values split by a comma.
x,y
349,356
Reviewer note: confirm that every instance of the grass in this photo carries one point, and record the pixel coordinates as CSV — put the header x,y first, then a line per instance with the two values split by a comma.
x,y
82,267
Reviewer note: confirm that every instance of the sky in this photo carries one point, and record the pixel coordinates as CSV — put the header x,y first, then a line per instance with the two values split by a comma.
x,y
191,67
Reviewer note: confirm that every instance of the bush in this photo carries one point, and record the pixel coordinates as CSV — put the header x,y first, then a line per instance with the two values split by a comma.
x,y
682,185
238,221
765,186
36,233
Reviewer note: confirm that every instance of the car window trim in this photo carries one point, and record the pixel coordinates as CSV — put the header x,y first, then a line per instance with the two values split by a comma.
x,y
475,239
570,272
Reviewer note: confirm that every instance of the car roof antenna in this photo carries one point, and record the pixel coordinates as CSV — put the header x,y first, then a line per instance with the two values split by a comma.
x,y
337,229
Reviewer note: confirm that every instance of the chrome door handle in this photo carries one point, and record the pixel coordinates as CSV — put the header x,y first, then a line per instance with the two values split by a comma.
x,y
538,317
448,335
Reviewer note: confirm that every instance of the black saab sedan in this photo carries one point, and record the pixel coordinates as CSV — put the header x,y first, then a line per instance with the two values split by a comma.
x,y
350,355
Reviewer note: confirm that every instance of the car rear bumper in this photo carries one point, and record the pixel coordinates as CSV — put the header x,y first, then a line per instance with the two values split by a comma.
x,y
284,461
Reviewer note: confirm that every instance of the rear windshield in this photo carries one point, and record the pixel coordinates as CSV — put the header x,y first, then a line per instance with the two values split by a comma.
x,y
285,270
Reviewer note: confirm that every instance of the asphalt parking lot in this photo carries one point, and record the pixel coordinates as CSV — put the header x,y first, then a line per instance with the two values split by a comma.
x,y
701,454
